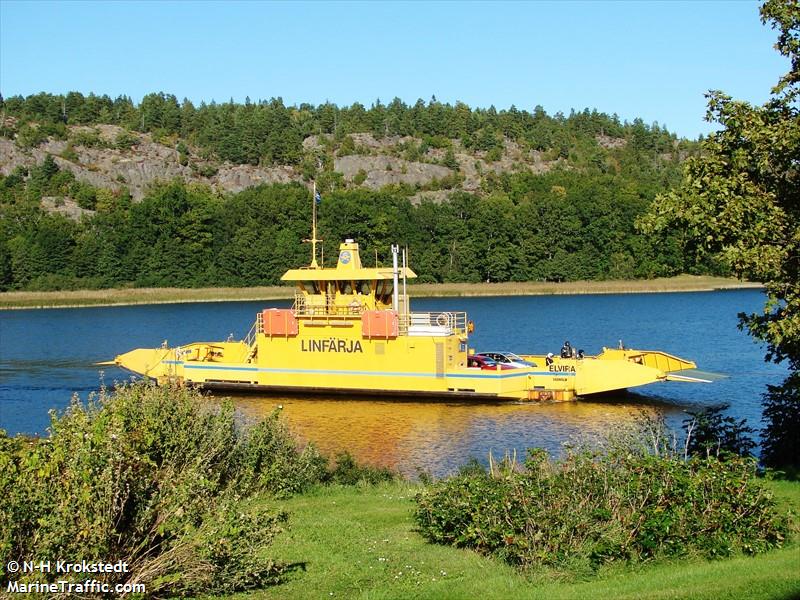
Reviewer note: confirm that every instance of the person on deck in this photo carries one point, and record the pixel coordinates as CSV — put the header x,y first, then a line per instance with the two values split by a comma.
x,y
566,350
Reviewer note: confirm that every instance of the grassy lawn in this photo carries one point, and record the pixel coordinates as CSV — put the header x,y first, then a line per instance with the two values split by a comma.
x,y
361,543
70,298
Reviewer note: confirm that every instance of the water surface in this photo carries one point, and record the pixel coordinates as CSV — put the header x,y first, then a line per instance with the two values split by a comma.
x,y
46,356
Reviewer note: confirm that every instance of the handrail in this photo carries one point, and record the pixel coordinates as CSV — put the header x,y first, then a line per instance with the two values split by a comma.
x,y
447,322
326,308
435,323
258,327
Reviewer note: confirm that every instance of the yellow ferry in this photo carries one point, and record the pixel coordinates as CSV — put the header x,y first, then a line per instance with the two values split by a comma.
x,y
351,330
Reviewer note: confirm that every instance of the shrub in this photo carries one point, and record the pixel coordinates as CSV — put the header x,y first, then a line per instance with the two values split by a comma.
x,y
780,444
347,472
156,477
125,140
70,154
89,138
711,434
30,136
592,507
347,147
204,169
268,460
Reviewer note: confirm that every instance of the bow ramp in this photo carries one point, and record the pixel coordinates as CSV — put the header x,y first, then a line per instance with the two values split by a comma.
x,y
615,369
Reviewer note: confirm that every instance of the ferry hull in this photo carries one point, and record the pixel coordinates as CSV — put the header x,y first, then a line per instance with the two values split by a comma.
x,y
565,379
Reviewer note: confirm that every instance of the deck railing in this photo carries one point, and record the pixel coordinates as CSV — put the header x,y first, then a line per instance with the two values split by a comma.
x,y
258,327
433,323
326,307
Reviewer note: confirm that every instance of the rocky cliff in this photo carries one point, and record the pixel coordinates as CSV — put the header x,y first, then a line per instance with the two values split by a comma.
x,y
108,156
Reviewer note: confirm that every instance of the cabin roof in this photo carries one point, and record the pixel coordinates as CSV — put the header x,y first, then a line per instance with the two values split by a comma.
x,y
310,274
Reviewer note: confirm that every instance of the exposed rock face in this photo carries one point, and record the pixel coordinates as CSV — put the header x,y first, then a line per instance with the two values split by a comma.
x,y
609,143
65,206
384,170
235,178
136,168
110,157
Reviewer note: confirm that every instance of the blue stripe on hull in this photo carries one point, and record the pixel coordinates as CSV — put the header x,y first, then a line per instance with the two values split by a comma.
x,y
499,375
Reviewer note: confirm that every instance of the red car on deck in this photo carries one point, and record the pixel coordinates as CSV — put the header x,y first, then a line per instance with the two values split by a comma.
x,y
485,363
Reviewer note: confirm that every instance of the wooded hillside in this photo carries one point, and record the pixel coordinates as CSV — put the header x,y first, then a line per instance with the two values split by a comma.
x,y
96,192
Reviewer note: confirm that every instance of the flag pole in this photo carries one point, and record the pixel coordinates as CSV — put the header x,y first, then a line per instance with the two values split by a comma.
x,y
314,226
314,239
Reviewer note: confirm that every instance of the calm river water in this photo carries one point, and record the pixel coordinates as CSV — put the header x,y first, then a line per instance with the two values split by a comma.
x,y
48,355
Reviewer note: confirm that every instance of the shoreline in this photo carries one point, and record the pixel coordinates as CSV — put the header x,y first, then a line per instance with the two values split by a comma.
x,y
138,296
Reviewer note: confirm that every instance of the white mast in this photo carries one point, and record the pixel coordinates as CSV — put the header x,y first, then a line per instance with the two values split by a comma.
x,y
395,277
314,239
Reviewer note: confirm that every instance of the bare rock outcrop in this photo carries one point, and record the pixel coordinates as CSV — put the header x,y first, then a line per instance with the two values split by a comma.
x,y
108,156
65,206
385,170
138,166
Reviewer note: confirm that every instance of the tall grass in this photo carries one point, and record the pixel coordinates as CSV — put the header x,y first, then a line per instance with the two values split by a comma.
x,y
32,299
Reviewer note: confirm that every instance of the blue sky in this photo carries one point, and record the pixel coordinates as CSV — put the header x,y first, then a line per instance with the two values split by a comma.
x,y
653,60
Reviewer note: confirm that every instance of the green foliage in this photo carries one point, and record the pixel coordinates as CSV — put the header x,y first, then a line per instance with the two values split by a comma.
x,y
204,169
268,460
780,445
348,146
567,224
739,203
155,477
268,132
347,472
85,195
450,160
89,138
31,135
709,433
124,140
558,226
494,154
592,508
69,153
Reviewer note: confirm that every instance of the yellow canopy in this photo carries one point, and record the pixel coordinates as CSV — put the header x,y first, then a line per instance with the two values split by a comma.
x,y
345,275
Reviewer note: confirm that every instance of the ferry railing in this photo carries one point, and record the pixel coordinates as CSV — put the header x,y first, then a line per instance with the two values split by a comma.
x,y
324,308
258,327
433,322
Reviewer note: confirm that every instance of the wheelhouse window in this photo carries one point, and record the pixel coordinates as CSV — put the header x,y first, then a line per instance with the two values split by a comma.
x,y
311,287
345,287
384,291
365,287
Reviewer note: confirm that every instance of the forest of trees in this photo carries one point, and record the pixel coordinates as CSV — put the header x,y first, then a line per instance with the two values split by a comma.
x,y
270,133
555,227
576,221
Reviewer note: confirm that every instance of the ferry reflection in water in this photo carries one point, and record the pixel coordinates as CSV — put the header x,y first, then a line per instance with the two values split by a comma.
x,y
439,437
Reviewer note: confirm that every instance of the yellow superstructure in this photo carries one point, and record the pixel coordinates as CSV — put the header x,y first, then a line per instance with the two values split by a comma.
x,y
351,330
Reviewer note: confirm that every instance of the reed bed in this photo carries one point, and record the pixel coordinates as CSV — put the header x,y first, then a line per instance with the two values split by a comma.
x,y
126,296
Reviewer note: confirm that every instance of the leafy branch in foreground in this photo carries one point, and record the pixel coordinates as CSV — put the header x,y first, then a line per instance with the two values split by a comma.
x,y
740,202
